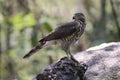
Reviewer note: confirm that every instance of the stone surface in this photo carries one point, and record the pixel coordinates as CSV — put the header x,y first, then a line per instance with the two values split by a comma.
x,y
64,69
103,61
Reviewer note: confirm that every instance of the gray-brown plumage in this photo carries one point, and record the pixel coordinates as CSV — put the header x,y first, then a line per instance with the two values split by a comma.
x,y
64,35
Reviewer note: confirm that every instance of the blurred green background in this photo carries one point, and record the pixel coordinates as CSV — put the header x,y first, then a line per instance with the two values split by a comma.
x,y
24,22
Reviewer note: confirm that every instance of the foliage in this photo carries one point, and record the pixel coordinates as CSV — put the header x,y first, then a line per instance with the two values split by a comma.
x,y
21,21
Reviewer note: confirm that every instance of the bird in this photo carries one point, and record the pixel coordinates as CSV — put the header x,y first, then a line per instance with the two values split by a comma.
x,y
64,35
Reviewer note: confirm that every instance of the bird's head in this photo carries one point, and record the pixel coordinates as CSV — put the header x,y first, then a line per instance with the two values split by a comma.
x,y
79,17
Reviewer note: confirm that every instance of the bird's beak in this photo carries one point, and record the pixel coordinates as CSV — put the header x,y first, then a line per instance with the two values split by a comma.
x,y
73,17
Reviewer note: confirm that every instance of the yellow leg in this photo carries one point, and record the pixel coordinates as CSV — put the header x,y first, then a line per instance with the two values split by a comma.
x,y
69,55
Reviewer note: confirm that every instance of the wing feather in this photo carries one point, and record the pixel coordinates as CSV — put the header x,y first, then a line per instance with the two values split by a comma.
x,y
62,31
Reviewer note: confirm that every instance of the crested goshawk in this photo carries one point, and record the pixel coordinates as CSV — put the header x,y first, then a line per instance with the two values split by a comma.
x,y
64,35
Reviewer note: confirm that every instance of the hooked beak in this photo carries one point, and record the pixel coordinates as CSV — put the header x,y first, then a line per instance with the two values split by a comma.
x,y
73,17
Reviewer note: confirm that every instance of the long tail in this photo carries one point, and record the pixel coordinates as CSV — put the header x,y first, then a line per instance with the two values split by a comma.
x,y
35,49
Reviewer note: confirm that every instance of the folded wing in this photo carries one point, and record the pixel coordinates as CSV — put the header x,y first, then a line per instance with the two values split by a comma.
x,y
62,31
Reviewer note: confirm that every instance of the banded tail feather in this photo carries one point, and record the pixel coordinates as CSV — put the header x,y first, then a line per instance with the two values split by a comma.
x,y
34,49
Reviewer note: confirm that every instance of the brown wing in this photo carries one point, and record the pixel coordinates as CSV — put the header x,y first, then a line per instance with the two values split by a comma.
x,y
62,31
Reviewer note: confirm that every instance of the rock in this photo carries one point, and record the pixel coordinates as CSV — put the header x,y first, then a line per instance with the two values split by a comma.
x,y
96,63
64,69
103,61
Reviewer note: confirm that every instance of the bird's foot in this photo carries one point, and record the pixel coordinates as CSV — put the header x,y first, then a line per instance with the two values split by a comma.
x,y
71,57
